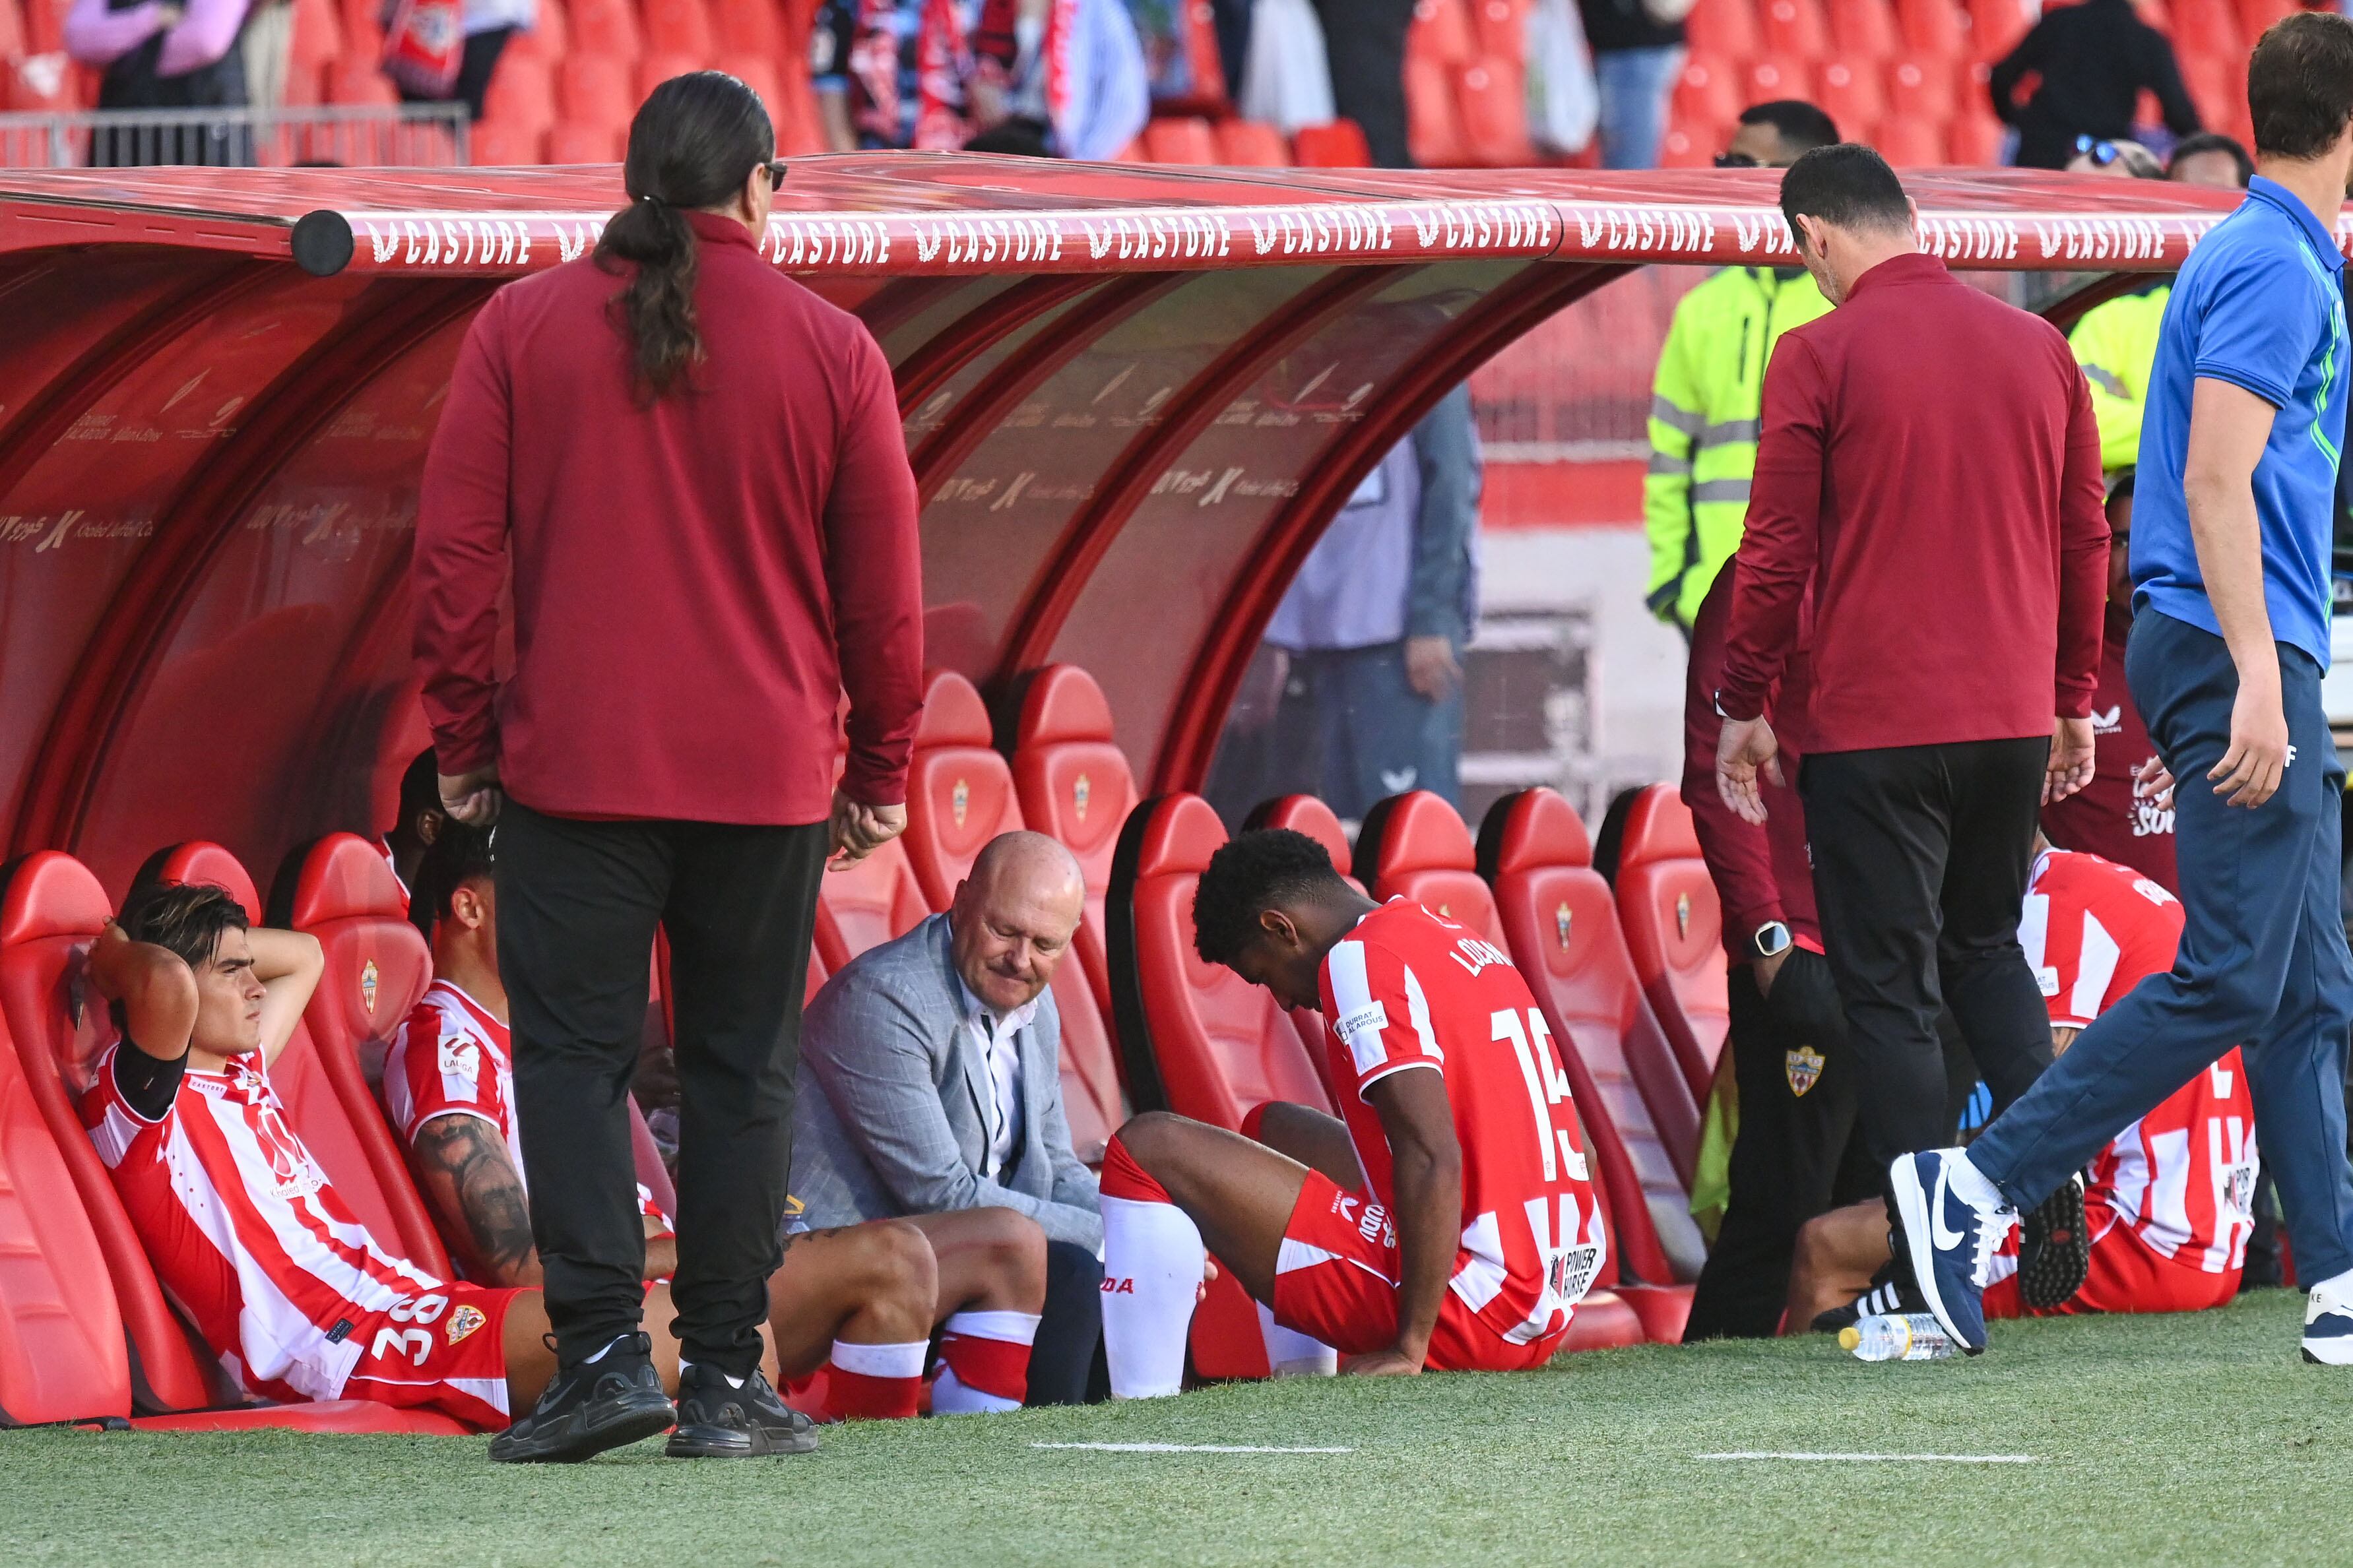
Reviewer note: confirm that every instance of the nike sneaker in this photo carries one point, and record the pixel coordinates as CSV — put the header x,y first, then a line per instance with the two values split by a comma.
x,y
2054,1248
1947,1239
2328,1323
613,1399
719,1418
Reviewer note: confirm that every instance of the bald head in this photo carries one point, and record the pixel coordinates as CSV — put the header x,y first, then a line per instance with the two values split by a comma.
x,y
1014,916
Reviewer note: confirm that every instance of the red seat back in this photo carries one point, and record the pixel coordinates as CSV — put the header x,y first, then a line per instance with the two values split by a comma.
x,y
1560,925
866,904
62,1355
960,795
1308,814
1074,782
341,892
1415,846
1337,145
202,861
1674,929
50,913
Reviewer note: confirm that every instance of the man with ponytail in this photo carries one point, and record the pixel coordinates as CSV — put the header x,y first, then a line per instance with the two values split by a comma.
x,y
693,469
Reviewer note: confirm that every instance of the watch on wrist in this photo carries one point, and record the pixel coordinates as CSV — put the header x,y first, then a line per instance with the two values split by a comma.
x,y
1771,940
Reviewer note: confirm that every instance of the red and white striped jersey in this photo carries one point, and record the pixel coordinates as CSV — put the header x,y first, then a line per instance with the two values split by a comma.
x,y
2182,1177
245,1232
453,1057
1409,989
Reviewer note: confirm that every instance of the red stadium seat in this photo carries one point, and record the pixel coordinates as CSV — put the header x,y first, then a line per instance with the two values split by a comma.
x,y
1708,92
318,35
747,30
1560,923
1852,96
1182,139
1338,145
1975,138
657,69
1251,145
2208,29
341,892
1937,28
2256,17
866,904
520,96
44,26
2215,87
1777,76
506,146
1684,147
1441,32
12,32
1490,103
1433,133
584,142
1793,28
1501,28
606,27
758,75
360,82
1995,25
959,796
41,84
548,38
1910,143
1073,783
679,28
1922,87
1724,28
1863,30
1674,929
62,1355
594,89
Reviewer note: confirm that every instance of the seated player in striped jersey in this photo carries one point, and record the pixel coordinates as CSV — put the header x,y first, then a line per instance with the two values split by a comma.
x,y
2167,1209
1447,1223
449,1087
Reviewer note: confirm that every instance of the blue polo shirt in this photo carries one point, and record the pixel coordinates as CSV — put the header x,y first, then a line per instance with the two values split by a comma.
x,y
2260,304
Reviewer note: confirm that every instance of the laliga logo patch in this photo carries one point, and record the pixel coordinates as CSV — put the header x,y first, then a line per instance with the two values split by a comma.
x,y
1804,1067
1683,914
464,1321
1560,923
1079,791
460,1059
959,798
367,986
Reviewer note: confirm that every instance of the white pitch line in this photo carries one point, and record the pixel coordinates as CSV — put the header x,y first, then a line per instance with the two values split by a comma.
x,y
1185,1448
1886,1459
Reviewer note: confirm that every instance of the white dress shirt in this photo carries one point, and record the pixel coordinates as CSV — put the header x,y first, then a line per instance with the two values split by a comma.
x,y
996,1036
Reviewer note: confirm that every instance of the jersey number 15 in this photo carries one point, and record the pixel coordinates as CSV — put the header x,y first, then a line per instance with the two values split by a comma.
x,y
1548,1086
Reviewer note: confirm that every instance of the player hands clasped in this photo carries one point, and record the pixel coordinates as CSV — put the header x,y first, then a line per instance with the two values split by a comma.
x,y
1447,1223
861,1300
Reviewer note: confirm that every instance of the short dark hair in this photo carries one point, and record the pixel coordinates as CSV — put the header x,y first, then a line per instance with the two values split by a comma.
x,y
1846,184
460,853
2212,141
1801,126
184,917
1249,876
2300,84
420,792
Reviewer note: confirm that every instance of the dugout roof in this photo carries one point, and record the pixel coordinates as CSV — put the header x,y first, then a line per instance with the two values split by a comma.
x,y
1133,396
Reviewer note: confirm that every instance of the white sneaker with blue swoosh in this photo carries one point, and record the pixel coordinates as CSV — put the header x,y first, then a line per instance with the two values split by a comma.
x,y
2328,1322
1948,1238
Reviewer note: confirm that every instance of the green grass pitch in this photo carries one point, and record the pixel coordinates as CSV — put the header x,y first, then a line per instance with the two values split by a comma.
x,y
2200,1438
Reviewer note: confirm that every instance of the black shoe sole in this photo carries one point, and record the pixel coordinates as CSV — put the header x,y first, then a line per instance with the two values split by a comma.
x,y
2054,1249
734,1442
588,1432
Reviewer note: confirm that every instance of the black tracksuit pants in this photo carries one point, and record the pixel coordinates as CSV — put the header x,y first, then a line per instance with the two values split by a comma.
x,y
1920,860
578,905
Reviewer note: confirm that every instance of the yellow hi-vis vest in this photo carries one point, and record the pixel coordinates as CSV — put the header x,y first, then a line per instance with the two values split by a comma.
x,y
2116,343
1706,404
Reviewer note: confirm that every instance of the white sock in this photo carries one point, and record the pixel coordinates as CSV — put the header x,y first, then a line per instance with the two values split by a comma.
x,y
1290,1354
2339,1288
1153,1263
1972,1184
992,1346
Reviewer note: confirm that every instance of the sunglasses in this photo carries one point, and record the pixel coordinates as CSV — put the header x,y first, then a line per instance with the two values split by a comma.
x,y
2100,153
776,167
1736,161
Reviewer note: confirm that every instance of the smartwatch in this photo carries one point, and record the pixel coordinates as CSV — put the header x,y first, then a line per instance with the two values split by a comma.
x,y
1771,940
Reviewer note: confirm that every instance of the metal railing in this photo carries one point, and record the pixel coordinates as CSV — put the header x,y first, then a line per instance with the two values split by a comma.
x,y
410,135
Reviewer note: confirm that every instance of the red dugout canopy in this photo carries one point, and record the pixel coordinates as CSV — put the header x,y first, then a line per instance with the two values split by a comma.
x,y
1133,398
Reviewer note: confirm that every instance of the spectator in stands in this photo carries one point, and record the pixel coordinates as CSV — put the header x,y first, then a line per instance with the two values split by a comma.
x,y
2094,60
2118,160
2168,1203
2211,158
1364,48
419,823
488,25
448,1086
1638,50
1708,392
2116,816
697,580
1076,70
1374,626
164,55
1954,556
936,1087
2230,642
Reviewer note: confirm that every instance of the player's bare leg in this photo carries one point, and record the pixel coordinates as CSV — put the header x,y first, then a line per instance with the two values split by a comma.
x,y
1239,1194
862,1297
1314,1138
1836,1256
991,1292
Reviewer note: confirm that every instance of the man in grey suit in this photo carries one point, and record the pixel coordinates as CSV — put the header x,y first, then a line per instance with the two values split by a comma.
x,y
933,1084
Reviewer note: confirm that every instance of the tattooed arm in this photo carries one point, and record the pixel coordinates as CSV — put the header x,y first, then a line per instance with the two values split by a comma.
x,y
478,1196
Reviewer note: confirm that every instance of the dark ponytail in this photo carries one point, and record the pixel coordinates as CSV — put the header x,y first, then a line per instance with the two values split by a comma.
x,y
695,141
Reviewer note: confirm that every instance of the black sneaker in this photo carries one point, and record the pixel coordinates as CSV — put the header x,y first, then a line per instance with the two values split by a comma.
x,y
1891,1294
720,1420
2054,1248
607,1403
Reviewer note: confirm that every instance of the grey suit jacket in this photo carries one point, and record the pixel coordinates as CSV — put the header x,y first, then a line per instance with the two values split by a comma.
x,y
890,1117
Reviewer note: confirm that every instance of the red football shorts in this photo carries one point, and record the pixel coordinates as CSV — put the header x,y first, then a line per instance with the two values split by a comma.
x,y
2125,1276
1335,1280
445,1349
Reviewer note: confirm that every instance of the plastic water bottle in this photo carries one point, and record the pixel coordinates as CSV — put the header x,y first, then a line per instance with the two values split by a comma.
x,y
1914,1336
